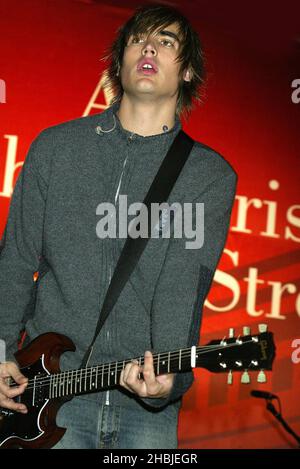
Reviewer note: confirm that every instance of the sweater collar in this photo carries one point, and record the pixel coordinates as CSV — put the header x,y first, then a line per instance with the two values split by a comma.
x,y
110,124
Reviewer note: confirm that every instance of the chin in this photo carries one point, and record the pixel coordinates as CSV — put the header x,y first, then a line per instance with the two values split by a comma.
x,y
145,88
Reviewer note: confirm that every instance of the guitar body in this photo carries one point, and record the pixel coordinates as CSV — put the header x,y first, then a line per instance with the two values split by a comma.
x,y
37,428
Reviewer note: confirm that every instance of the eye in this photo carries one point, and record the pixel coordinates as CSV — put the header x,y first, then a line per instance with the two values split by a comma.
x,y
167,43
137,40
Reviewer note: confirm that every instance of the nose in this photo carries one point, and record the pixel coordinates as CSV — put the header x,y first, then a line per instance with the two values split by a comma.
x,y
149,48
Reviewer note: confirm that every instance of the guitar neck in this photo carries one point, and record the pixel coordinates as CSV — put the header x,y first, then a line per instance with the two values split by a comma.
x,y
105,376
232,354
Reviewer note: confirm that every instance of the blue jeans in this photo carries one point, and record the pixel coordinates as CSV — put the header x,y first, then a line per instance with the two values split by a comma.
x,y
91,425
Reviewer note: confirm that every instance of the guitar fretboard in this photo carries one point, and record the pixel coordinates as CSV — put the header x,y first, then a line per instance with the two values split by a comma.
x,y
97,378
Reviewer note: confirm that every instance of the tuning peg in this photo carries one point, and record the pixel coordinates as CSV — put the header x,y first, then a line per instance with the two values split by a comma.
x,y
261,377
231,332
262,328
245,378
246,330
229,377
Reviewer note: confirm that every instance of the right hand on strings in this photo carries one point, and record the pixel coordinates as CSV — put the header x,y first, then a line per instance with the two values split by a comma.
x,y
7,393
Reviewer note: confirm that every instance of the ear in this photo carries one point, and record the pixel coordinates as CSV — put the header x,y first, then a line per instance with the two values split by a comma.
x,y
187,76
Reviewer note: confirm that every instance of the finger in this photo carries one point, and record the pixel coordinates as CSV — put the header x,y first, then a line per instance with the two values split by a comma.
x,y
16,374
11,370
124,375
132,369
148,369
11,391
122,378
10,404
131,377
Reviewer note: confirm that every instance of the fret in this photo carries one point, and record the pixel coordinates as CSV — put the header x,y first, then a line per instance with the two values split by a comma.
x,y
116,373
50,387
108,382
158,364
112,373
179,367
70,381
71,390
62,384
56,386
91,379
96,377
102,376
80,382
78,375
75,383
59,383
67,382
169,357
65,377
85,378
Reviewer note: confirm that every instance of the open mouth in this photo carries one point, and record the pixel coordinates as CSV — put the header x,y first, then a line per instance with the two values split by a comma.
x,y
147,67
147,71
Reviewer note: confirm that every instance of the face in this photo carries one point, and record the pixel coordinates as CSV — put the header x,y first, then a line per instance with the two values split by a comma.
x,y
149,67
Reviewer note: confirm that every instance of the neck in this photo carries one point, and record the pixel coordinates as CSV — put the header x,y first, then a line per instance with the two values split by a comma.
x,y
146,118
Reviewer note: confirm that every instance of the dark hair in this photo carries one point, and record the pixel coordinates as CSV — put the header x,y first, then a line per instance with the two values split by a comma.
x,y
150,18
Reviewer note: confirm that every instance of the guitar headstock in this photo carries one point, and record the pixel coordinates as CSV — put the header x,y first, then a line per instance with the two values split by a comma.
x,y
245,353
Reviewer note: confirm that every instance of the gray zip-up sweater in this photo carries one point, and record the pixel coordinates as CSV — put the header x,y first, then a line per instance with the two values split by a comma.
x,y
71,168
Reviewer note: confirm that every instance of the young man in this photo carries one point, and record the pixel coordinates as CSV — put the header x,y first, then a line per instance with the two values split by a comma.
x,y
156,69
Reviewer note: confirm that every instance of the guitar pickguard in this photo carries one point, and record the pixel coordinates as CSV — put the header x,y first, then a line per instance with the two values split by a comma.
x,y
27,427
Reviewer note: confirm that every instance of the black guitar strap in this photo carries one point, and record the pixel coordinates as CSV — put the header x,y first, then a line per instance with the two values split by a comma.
x,y
159,191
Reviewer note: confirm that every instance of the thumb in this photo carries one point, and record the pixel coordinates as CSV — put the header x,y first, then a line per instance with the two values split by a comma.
x,y
16,374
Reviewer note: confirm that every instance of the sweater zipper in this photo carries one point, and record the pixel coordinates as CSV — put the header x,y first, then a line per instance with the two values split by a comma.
x,y
107,338
110,273
107,392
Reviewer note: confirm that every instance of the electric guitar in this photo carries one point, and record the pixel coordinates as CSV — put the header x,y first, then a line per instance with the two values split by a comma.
x,y
48,388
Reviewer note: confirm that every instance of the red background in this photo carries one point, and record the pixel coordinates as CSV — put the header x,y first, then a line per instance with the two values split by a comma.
x,y
49,60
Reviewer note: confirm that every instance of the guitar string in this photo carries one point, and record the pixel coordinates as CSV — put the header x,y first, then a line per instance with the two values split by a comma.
x,y
45,380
